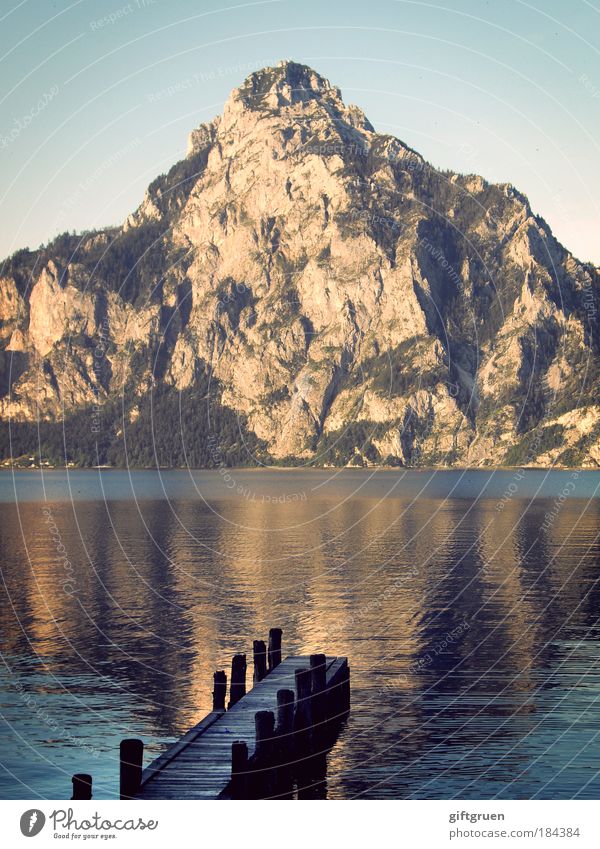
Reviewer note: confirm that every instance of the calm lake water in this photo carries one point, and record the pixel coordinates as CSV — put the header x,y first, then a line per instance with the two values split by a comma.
x,y
468,604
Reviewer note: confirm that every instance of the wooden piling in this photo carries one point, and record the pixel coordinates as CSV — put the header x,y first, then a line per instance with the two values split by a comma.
x,y
289,758
82,786
302,710
260,660
346,688
219,690
318,676
264,722
285,716
239,770
338,694
284,744
274,648
131,758
238,679
263,778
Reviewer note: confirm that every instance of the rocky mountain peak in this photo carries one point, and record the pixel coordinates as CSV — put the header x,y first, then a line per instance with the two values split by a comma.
x,y
286,84
291,87
334,296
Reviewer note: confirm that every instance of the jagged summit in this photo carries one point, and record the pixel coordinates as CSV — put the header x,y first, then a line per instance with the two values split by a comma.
x,y
290,87
337,299
284,84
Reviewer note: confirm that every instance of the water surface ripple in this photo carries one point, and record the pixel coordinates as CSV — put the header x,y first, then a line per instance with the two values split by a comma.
x,y
469,611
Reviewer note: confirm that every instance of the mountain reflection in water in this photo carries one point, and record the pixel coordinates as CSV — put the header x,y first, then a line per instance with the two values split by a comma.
x,y
472,629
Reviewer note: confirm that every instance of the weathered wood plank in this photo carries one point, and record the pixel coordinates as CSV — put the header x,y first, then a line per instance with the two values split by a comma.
x,y
176,749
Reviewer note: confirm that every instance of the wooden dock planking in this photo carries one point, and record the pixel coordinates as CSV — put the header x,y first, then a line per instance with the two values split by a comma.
x,y
198,766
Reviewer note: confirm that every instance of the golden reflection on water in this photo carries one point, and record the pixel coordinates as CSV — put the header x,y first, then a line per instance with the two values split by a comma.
x,y
166,592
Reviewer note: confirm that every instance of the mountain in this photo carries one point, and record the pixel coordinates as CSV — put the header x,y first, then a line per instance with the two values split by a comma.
x,y
302,289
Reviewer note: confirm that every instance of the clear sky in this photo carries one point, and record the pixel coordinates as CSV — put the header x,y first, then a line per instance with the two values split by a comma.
x,y
92,110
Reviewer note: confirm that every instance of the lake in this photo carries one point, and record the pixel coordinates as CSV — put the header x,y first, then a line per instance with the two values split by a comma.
x,y
468,603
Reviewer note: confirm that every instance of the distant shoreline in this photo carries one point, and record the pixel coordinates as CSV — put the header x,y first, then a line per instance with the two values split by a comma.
x,y
242,469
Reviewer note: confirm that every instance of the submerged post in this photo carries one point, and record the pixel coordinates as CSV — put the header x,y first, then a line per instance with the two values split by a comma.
x,y
260,660
219,690
82,786
274,648
238,679
239,769
131,758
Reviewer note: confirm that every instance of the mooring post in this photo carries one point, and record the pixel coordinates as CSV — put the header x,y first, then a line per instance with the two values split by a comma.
x,y
285,718
302,712
82,786
260,660
318,674
284,743
239,770
264,725
238,679
131,759
219,690
274,648
338,695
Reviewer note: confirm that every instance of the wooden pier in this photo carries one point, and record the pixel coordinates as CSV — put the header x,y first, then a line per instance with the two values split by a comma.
x,y
271,742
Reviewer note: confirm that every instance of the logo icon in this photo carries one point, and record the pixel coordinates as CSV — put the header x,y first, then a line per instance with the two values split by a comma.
x,y
32,822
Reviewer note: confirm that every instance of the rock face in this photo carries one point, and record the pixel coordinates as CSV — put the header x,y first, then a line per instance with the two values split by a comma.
x,y
346,300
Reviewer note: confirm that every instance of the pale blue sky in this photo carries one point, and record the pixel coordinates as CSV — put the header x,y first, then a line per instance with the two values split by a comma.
x,y
507,89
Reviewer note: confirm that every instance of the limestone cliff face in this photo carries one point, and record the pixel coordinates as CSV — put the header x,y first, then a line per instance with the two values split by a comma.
x,y
351,302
